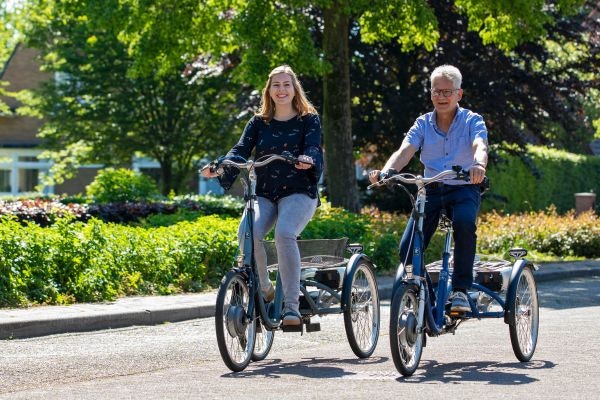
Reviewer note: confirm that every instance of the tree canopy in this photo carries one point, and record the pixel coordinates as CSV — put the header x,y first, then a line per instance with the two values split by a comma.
x,y
313,37
371,58
537,93
98,111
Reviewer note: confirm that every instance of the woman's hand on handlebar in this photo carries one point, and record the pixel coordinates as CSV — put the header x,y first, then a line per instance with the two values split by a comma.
x,y
304,162
209,171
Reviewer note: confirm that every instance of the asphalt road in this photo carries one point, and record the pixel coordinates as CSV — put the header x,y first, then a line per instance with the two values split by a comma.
x,y
181,361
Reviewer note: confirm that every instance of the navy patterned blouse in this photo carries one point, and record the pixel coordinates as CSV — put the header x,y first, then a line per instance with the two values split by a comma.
x,y
299,135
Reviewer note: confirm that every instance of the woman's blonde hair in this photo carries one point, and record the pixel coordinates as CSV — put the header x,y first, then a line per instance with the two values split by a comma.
x,y
300,103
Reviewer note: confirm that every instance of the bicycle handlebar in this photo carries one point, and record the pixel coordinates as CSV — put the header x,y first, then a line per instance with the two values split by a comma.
x,y
217,165
455,173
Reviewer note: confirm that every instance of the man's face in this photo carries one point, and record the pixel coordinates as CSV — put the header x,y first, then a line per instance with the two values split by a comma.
x,y
444,96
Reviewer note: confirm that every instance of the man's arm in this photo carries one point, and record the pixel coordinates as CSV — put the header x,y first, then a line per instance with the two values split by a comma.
x,y
398,160
401,157
480,160
481,152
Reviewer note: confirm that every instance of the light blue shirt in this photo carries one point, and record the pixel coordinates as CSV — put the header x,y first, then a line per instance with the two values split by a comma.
x,y
440,151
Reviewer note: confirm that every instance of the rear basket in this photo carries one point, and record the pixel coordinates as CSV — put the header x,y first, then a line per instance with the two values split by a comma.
x,y
321,260
314,253
487,273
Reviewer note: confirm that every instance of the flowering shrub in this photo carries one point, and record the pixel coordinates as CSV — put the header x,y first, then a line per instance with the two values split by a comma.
x,y
545,232
70,261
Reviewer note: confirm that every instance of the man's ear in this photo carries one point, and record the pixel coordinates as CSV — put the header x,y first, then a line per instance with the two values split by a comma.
x,y
459,94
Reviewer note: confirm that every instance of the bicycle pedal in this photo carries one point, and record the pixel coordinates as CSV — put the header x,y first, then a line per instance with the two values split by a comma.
x,y
313,327
459,314
291,328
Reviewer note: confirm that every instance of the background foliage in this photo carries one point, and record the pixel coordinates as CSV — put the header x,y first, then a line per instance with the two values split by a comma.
x,y
71,261
545,177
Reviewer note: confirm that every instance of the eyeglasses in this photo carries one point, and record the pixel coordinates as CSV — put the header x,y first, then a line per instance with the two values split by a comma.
x,y
443,92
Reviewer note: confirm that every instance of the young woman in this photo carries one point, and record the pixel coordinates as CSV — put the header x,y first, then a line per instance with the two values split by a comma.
x,y
287,194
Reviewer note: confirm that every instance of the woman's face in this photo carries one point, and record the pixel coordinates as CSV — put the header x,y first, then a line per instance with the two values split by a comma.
x,y
281,89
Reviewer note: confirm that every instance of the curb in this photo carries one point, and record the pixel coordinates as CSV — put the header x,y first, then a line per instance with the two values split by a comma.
x,y
51,320
89,323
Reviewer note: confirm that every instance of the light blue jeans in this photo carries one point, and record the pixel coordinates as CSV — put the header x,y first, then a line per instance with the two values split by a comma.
x,y
292,214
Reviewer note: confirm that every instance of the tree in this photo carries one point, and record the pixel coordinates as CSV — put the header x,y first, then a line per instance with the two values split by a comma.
x,y
536,93
7,44
263,33
96,111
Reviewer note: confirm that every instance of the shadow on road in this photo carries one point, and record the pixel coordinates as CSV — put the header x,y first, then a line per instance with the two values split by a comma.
x,y
314,367
570,293
482,371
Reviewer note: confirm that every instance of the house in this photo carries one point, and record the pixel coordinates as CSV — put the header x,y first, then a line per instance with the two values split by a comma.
x,y
20,169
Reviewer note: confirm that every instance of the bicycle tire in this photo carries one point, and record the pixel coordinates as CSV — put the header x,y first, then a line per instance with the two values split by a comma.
x,y
405,342
523,319
362,314
263,341
235,332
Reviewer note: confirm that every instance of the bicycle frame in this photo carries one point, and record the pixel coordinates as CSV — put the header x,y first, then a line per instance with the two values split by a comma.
x,y
246,262
416,273
432,309
416,310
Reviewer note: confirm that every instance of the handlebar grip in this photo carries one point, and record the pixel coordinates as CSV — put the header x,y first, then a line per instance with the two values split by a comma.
x,y
387,173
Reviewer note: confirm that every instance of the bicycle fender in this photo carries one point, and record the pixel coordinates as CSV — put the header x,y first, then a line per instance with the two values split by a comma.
x,y
353,263
517,268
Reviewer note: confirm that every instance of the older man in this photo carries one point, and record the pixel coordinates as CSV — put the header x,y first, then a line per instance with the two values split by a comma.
x,y
449,135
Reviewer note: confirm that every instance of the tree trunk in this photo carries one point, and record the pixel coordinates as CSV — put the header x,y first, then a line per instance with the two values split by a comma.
x,y
337,123
166,175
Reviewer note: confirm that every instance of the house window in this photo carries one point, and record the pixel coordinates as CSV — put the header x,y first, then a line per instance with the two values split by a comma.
x,y
28,179
21,171
28,159
5,180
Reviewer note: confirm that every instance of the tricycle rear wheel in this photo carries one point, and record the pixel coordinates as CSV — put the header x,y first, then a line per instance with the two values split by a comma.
x,y
523,320
262,342
361,313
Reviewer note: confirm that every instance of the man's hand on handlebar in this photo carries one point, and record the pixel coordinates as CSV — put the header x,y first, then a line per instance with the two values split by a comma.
x,y
377,175
374,175
476,174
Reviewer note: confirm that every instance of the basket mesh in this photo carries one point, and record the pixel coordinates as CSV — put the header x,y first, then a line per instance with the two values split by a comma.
x,y
314,253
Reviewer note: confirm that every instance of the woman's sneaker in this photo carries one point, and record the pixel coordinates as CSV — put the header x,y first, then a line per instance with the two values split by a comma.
x,y
460,303
268,294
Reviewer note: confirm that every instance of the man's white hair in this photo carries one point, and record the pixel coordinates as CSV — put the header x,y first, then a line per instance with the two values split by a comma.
x,y
449,72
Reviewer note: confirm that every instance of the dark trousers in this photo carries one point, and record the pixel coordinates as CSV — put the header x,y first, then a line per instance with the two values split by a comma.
x,y
461,204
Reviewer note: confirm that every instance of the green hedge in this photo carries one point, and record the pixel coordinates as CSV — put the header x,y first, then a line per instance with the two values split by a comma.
x,y
514,187
75,262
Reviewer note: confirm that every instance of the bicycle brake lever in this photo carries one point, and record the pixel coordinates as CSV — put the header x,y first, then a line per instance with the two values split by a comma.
x,y
289,157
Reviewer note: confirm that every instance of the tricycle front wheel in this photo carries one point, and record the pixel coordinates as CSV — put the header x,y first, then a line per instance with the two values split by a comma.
x,y
235,327
406,341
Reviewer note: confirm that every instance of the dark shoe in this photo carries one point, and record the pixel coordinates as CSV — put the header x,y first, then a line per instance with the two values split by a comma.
x,y
269,294
460,303
291,318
